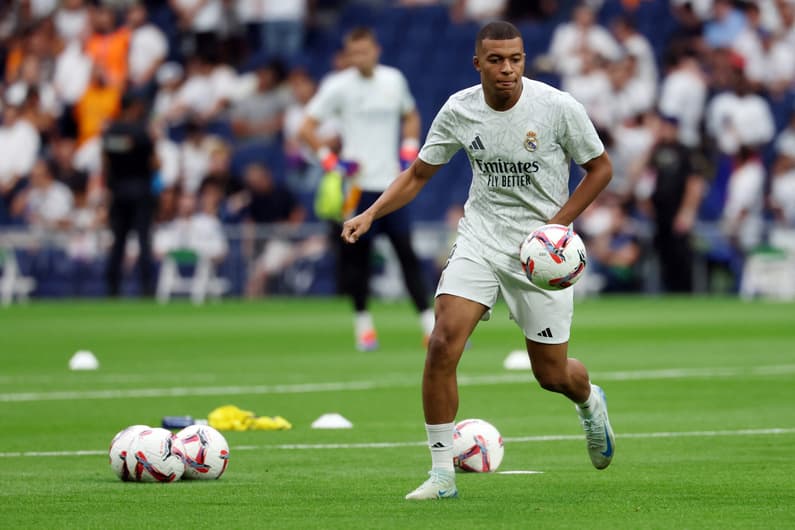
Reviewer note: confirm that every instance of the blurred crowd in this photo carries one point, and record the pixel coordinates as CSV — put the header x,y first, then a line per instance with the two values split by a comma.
x,y
699,128
700,137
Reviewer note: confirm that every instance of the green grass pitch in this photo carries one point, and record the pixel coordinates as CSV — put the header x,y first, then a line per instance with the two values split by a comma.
x,y
701,395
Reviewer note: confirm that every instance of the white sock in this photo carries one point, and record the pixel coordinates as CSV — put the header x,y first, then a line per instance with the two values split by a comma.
x,y
440,442
427,320
363,321
587,407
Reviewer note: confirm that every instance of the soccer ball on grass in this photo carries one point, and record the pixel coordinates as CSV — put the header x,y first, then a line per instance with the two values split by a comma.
x,y
155,455
206,452
477,446
553,257
117,453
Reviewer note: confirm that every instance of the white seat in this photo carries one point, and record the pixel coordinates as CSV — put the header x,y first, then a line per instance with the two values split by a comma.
x,y
203,281
769,273
12,282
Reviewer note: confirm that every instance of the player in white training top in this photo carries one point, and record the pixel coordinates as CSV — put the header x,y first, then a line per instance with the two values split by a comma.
x,y
519,136
374,107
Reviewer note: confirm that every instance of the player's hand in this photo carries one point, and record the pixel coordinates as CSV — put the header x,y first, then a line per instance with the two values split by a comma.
x,y
331,162
684,221
409,150
356,227
328,159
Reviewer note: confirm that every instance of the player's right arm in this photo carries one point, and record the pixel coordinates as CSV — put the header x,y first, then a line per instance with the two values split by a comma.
x,y
401,192
323,105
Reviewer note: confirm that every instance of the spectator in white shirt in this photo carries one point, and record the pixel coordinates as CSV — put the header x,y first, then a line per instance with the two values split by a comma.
x,y
85,223
165,107
206,92
782,189
738,117
773,68
478,10
282,29
631,94
19,144
72,20
195,153
148,48
632,139
591,87
44,203
748,44
73,69
571,40
40,9
786,11
636,45
742,220
200,22
42,102
683,95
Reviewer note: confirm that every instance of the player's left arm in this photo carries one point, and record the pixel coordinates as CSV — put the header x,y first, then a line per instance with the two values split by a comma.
x,y
410,146
598,172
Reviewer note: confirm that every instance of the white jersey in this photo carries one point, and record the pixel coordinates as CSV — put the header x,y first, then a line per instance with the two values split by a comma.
x,y
520,160
369,111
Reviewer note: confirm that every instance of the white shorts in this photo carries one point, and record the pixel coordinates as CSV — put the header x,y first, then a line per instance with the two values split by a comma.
x,y
544,316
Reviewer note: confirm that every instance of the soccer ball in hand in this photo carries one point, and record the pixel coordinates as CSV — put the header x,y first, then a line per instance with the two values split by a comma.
x,y
155,455
553,257
477,446
206,452
117,454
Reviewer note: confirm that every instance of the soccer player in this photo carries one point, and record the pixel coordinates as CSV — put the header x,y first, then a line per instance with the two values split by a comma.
x,y
129,159
519,135
371,103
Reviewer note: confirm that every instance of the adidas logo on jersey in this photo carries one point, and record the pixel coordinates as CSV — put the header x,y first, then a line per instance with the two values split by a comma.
x,y
477,145
545,333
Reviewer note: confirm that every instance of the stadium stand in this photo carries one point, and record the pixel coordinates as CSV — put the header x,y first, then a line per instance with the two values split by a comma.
x,y
434,52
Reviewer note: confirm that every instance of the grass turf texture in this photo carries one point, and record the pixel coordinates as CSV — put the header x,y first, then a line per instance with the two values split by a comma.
x,y
667,365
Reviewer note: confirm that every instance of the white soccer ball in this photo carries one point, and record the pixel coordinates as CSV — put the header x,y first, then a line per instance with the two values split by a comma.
x,y
477,446
206,452
553,257
117,454
155,455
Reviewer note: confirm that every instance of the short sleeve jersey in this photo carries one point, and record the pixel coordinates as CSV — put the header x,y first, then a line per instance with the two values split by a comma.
x,y
520,159
369,111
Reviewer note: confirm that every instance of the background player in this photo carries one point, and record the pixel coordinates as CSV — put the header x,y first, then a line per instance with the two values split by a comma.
x,y
519,135
369,101
130,159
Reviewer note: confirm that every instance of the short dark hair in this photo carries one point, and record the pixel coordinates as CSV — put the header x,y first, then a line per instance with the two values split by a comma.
x,y
359,33
498,30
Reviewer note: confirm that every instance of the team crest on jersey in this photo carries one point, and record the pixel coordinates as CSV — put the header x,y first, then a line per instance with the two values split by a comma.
x,y
531,141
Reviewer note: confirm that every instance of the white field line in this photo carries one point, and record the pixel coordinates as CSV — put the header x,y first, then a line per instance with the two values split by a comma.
x,y
390,445
305,388
104,378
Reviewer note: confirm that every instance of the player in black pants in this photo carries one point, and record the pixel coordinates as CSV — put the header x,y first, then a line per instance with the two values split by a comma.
x,y
129,161
355,260
379,128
